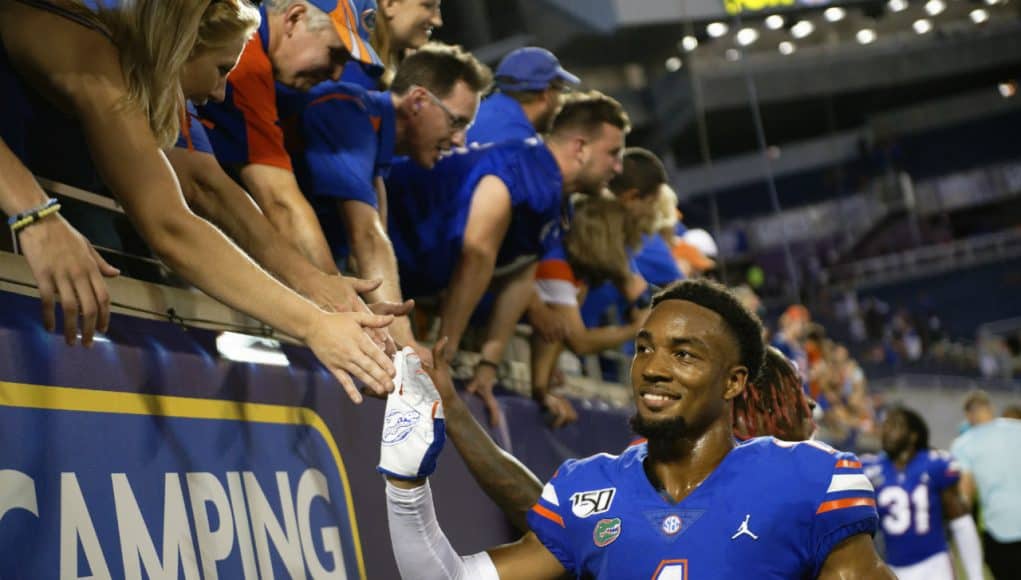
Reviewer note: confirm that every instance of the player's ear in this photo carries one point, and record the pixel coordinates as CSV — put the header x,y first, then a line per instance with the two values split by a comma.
x,y
737,379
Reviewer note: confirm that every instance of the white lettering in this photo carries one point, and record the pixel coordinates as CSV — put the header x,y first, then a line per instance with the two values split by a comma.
x,y
204,489
313,484
265,523
237,500
76,525
17,491
136,542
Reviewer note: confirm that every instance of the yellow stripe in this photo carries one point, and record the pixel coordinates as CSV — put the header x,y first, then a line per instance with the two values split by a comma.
x,y
68,399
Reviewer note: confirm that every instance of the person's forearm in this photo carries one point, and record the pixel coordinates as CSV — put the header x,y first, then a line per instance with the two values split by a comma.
x,y
376,261
504,479
594,340
544,362
216,197
204,257
19,190
276,192
472,276
510,306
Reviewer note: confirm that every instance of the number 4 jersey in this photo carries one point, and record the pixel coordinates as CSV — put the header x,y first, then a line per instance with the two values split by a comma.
x,y
910,504
771,509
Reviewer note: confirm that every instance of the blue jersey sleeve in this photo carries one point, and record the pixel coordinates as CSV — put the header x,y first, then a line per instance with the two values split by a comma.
x,y
546,519
944,471
846,508
193,135
340,150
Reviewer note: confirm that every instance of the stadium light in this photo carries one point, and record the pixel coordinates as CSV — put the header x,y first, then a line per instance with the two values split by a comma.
x,y
992,2
978,15
866,36
802,29
834,14
922,26
716,29
747,36
689,43
786,47
673,64
774,22
1007,89
732,54
935,7
897,5
251,349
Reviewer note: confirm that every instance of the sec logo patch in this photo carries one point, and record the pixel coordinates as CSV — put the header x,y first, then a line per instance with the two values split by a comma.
x,y
671,524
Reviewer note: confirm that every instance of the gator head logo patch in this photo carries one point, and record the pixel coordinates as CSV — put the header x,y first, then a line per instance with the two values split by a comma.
x,y
398,425
605,532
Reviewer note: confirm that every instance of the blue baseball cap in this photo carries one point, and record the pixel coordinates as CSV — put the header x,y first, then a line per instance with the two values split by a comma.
x,y
353,20
531,69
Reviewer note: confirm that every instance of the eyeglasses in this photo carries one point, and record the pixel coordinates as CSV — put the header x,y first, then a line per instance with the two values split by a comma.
x,y
457,122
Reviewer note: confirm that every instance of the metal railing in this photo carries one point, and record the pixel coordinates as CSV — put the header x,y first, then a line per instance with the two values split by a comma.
x,y
928,260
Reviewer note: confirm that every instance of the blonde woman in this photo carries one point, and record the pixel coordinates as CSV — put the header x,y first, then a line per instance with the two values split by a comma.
x,y
595,250
400,26
118,74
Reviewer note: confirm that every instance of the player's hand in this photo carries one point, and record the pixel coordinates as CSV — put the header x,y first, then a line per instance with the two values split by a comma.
x,y
340,342
65,265
559,411
550,325
413,430
481,386
439,371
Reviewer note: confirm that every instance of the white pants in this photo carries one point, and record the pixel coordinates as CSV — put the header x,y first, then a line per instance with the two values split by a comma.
x,y
936,567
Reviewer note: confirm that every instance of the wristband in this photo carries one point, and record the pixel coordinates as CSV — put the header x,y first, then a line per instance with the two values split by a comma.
x,y
33,216
488,363
20,216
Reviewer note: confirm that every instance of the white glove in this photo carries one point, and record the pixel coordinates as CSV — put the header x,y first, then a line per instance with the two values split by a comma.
x,y
413,432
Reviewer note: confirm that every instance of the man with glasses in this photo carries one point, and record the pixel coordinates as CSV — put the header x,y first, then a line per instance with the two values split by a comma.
x,y
529,83
342,139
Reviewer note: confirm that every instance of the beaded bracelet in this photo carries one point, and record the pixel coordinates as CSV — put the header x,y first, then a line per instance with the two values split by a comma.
x,y
33,216
20,216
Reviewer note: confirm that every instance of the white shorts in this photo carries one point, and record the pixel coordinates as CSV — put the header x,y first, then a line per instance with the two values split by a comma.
x,y
936,567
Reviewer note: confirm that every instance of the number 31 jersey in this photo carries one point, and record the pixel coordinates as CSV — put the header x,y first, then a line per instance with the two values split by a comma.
x,y
771,509
910,503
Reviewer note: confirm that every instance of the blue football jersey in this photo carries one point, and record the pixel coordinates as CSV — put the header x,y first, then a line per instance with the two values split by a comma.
x,y
771,509
910,503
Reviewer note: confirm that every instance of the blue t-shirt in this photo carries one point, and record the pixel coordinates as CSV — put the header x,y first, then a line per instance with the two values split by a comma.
x,y
500,118
770,509
340,138
910,503
656,262
428,209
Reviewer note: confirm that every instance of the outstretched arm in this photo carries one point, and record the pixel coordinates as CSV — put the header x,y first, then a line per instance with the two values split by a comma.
x,y
407,457
855,558
488,220
278,195
218,198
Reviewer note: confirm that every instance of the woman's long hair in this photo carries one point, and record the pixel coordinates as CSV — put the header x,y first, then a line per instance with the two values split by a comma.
x,y
599,239
154,39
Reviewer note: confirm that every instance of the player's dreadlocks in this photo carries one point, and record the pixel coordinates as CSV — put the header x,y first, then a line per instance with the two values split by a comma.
x,y
916,425
774,404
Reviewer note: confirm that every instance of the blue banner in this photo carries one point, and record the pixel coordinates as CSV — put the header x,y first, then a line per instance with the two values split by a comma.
x,y
105,484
